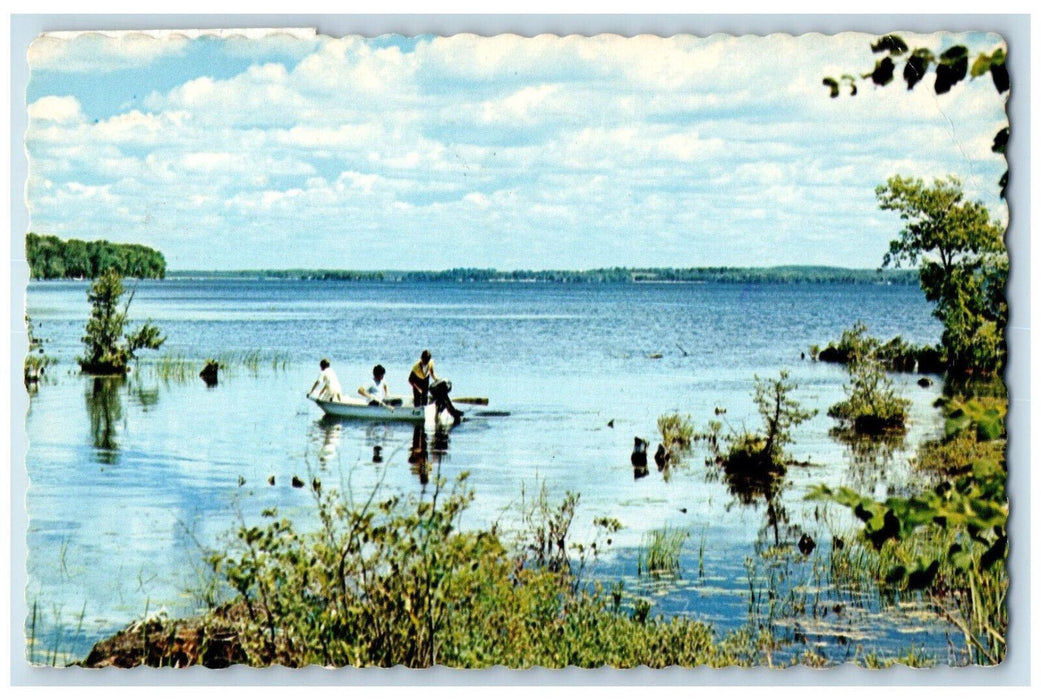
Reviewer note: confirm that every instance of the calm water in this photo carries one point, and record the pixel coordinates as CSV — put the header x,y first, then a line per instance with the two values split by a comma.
x,y
130,482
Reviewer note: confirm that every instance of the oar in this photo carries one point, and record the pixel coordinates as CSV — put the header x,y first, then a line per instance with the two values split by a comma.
x,y
474,400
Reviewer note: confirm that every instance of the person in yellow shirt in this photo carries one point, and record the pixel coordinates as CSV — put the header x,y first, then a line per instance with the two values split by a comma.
x,y
420,378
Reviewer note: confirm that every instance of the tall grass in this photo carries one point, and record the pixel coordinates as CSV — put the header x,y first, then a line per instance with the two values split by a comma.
x,y
182,368
660,554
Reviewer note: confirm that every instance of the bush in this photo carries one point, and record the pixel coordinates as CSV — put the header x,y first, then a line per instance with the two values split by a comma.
x,y
765,452
108,350
895,354
398,583
872,406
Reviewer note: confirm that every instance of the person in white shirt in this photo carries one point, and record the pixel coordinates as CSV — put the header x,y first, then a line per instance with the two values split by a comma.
x,y
327,383
377,392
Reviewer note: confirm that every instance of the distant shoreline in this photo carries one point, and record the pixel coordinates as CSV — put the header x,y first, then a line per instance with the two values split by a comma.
x,y
790,274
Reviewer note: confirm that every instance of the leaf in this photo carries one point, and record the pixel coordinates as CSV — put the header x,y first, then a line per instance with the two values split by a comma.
x,y
921,578
995,553
980,66
1000,142
883,73
999,73
914,70
953,66
891,43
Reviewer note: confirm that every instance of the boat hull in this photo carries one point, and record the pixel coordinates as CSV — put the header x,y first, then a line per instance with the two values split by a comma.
x,y
362,411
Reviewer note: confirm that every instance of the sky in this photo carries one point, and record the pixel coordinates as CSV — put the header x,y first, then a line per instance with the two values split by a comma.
x,y
306,151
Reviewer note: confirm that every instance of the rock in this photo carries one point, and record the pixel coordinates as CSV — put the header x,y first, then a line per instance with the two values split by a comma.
x,y
639,472
639,455
297,482
610,423
242,480
271,480
925,382
377,454
806,545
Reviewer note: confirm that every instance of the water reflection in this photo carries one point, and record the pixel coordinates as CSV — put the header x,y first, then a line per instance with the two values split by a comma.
x,y
381,442
331,431
424,447
752,485
105,410
870,458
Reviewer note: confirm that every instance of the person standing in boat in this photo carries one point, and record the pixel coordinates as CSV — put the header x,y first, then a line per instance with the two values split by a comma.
x,y
377,392
328,384
421,377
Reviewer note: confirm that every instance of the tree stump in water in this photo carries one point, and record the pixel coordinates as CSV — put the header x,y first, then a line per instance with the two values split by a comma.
x,y
209,372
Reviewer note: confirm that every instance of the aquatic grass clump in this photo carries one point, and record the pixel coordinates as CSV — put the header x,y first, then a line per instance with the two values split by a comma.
x,y
177,367
677,432
660,555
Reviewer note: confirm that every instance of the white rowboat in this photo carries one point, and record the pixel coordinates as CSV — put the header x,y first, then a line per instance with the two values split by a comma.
x,y
363,410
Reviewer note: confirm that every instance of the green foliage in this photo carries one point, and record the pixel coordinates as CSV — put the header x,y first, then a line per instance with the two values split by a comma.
x,y
36,362
677,432
780,412
963,267
396,582
895,354
949,540
108,350
871,406
951,67
49,257
983,416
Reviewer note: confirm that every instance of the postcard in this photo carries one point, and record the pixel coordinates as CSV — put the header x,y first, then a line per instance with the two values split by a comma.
x,y
517,351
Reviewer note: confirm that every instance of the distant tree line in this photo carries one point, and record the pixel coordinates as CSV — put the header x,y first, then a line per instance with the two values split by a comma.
x,y
614,275
50,257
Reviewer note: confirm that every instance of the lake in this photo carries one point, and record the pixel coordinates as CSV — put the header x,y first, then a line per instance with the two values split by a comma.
x,y
130,482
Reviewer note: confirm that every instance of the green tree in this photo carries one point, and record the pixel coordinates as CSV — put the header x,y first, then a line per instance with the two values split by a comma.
x,y
963,267
108,349
763,452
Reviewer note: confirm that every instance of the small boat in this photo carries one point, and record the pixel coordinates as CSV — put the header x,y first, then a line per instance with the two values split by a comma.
x,y
363,410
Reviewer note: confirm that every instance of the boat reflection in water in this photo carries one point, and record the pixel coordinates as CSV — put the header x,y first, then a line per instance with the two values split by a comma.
x,y
382,442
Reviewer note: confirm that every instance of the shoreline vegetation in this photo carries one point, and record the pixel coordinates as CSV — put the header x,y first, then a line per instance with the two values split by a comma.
x,y
786,274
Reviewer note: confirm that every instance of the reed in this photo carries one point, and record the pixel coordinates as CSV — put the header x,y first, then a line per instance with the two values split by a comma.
x,y
177,367
660,555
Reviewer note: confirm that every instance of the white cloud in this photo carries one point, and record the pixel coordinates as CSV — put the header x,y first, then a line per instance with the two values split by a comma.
x,y
56,109
521,144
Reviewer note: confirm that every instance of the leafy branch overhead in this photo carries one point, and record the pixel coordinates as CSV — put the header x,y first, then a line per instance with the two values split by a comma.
x,y
951,67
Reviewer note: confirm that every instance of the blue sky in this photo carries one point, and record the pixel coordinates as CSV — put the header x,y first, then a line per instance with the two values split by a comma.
x,y
434,152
